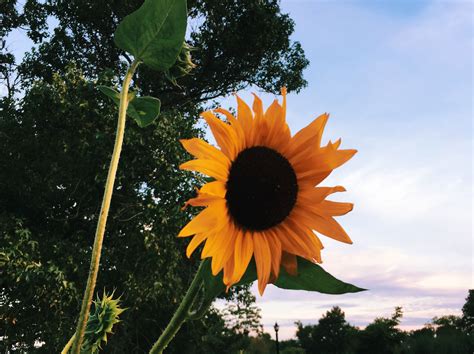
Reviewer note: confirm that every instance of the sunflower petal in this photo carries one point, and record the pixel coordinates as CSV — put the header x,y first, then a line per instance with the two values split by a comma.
x,y
236,125
208,219
223,249
311,195
245,118
223,133
308,138
242,254
195,242
208,167
202,150
325,225
216,188
330,208
288,261
275,250
262,260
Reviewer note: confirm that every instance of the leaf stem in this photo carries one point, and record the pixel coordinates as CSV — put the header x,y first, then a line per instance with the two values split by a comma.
x,y
99,235
180,315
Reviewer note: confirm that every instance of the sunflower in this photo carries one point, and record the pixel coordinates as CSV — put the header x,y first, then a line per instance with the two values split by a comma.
x,y
263,202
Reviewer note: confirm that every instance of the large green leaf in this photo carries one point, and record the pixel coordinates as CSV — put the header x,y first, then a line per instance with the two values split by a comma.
x,y
154,33
143,109
310,277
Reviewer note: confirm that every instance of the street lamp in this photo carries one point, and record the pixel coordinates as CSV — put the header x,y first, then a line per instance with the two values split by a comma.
x,y
276,327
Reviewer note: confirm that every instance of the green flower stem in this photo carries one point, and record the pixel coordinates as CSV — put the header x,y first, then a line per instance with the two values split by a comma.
x,y
180,315
99,235
68,345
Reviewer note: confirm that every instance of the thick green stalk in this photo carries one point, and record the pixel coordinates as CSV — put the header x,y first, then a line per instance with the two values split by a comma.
x,y
99,235
180,315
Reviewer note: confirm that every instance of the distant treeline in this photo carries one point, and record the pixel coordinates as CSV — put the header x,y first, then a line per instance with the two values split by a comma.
x,y
334,335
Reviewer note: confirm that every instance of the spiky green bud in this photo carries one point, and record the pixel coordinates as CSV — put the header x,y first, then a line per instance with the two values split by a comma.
x,y
104,314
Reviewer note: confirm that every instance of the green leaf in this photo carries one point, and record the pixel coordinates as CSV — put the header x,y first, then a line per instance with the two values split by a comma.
x,y
111,93
154,33
214,285
312,277
143,109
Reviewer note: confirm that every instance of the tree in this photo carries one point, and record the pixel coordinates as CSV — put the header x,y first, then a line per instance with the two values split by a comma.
x,y
382,335
56,135
332,334
468,313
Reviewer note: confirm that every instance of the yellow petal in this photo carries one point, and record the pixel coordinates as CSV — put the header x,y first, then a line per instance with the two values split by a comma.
x,y
236,125
195,242
202,150
242,254
323,224
330,208
245,117
223,133
202,200
216,188
309,195
211,168
206,221
263,260
223,249
275,250
308,138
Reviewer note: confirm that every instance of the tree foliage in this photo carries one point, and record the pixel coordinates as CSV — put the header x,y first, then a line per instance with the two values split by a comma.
x,y
56,135
443,335
332,334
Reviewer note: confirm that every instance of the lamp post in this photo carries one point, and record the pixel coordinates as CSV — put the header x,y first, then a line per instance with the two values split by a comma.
x,y
276,327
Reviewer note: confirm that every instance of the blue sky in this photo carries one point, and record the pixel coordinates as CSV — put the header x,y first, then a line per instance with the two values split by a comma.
x,y
396,77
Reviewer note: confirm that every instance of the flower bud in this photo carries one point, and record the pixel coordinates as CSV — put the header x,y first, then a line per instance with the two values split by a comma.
x,y
183,65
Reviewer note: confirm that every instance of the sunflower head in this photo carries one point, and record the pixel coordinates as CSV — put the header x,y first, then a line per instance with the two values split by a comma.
x,y
265,201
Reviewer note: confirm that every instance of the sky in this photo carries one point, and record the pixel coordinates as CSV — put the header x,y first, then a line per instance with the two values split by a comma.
x,y
396,77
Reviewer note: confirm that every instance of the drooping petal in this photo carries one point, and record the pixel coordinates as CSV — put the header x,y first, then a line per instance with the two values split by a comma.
x,y
263,260
299,240
223,249
242,254
288,261
275,250
195,242
229,273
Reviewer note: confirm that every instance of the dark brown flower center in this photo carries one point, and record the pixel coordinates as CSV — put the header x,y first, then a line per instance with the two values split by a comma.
x,y
261,188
